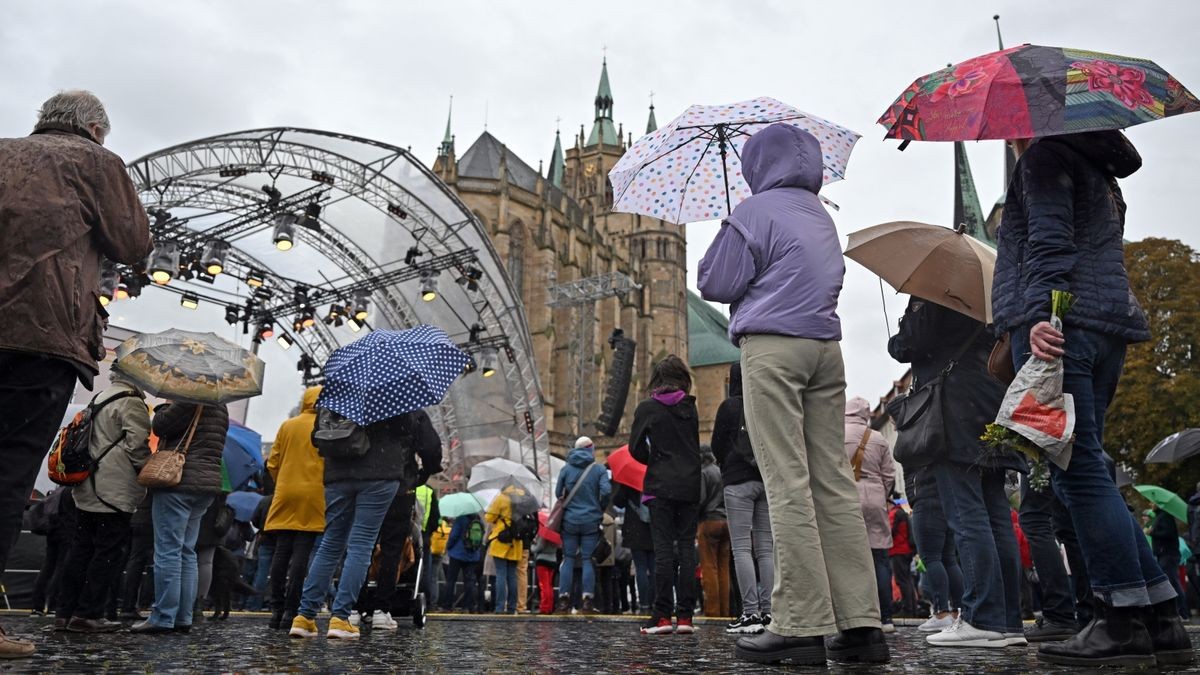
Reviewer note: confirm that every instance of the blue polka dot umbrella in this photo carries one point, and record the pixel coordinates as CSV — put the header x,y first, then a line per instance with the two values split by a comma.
x,y
388,373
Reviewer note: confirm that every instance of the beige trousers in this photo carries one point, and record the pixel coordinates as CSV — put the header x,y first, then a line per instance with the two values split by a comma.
x,y
795,398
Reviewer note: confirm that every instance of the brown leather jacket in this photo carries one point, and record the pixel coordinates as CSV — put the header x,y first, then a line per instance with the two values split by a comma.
x,y
65,202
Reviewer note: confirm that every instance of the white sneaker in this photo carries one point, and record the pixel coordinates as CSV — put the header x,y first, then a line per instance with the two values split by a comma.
x,y
1015,640
962,634
355,619
936,625
381,620
888,627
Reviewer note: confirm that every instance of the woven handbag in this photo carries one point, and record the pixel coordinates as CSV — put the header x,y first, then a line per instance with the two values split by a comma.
x,y
164,469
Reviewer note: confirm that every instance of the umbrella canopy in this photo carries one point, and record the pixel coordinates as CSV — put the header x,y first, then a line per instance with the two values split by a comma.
x,y
1176,447
625,469
192,367
459,504
243,504
1164,499
498,473
931,262
1031,91
545,532
691,169
388,373
242,456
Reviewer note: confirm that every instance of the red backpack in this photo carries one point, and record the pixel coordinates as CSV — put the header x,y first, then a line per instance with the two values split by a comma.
x,y
71,460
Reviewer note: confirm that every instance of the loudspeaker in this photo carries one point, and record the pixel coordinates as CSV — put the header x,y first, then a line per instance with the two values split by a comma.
x,y
617,388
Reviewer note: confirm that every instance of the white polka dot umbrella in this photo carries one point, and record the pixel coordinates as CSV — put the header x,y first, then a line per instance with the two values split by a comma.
x,y
388,373
691,169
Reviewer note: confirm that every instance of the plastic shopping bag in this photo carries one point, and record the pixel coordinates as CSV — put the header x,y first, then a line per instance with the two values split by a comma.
x,y
1036,407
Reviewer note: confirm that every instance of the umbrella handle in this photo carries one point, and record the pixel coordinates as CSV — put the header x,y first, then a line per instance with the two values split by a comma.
x,y
721,139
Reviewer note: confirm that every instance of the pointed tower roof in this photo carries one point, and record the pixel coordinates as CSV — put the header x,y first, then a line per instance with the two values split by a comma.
x,y
967,212
603,130
557,166
651,124
447,147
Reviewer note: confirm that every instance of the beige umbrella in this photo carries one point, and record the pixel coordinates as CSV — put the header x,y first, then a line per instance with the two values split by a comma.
x,y
931,262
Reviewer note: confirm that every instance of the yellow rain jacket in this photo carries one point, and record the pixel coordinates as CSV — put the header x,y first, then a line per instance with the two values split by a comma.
x,y
499,514
299,473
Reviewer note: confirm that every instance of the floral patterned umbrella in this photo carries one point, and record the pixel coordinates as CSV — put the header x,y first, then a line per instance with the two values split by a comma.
x,y
192,367
1031,91
691,169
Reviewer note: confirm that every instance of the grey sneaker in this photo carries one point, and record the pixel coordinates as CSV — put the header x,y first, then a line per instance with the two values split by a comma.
x,y
746,624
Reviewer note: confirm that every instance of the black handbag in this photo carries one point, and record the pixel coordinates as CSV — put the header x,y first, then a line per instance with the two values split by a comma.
x,y
603,548
919,415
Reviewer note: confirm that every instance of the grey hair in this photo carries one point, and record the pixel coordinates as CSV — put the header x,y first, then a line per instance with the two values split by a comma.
x,y
76,108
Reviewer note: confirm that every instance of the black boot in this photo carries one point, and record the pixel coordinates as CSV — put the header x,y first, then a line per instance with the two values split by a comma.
x,y
276,619
768,647
1167,634
1115,637
859,645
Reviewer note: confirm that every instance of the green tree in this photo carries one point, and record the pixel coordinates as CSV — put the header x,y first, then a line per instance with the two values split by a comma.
x,y
1159,392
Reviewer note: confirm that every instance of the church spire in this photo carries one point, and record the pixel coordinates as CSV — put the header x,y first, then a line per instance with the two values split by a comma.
x,y
967,212
557,165
651,124
603,130
447,147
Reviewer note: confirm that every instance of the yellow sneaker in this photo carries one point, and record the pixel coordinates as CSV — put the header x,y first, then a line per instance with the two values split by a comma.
x,y
340,629
303,627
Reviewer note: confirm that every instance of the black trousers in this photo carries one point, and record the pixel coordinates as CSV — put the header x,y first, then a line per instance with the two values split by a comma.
x,y
673,529
289,565
141,559
93,564
45,587
397,525
902,573
1044,519
34,393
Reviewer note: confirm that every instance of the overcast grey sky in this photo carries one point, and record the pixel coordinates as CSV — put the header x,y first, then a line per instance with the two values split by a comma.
x,y
174,71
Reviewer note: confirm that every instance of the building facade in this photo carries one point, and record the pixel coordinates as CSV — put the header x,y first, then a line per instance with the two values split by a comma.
x,y
556,225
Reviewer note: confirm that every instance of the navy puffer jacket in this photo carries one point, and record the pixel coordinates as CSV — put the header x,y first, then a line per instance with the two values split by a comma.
x,y
1062,229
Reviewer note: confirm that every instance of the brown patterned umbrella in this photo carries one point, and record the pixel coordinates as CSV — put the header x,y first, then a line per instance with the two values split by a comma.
x,y
193,367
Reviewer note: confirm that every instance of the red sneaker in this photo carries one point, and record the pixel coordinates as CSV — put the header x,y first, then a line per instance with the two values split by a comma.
x,y
684,626
658,626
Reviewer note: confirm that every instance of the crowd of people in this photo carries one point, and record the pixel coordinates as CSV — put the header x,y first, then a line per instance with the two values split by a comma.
x,y
799,490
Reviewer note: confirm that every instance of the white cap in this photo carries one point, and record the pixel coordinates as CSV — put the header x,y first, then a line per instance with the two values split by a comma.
x,y
584,442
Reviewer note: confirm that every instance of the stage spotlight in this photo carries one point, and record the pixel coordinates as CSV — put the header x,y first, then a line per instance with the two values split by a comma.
x,y
398,211
232,314
334,317
470,278
428,286
411,256
108,282
189,301
488,361
285,231
300,295
266,329
254,278
475,331
130,285
273,196
471,366
362,305
305,319
213,257
284,341
164,262
312,216
355,324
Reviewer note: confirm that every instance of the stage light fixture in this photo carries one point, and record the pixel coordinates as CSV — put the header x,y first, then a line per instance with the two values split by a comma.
x,y
213,257
108,282
305,319
266,329
470,278
355,324
189,301
488,362
285,341
285,231
428,286
164,262
232,314
254,278
474,331
312,216
131,285
398,211
335,315
471,366
232,171
411,256
273,196
362,305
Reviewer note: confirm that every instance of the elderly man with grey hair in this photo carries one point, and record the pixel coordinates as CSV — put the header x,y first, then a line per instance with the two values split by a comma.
x,y
66,203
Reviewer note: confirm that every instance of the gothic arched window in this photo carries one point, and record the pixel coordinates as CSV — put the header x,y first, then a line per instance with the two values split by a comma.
x,y
516,257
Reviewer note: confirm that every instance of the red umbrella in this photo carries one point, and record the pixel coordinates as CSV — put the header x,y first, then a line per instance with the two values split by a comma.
x,y
626,470
545,532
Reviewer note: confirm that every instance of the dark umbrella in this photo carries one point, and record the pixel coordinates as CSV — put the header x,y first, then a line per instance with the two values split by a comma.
x,y
1176,447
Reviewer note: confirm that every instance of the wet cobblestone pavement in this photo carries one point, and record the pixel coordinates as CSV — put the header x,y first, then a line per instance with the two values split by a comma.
x,y
244,644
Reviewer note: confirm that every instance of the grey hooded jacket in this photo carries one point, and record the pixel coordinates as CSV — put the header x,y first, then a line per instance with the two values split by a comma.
x,y
113,484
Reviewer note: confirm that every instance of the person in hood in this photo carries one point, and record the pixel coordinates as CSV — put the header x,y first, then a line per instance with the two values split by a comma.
x,y
871,456
665,436
297,513
589,489
1062,229
777,262
746,507
66,204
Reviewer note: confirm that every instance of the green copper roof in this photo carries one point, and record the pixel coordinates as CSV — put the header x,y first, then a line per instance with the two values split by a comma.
x,y
967,211
708,335
651,124
604,131
557,165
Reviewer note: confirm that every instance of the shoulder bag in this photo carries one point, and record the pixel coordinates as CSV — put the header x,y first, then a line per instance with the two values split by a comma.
x,y
1000,361
554,522
919,415
856,463
164,469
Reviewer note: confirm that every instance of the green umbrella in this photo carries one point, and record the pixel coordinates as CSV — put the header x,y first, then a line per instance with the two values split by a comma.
x,y
459,504
192,367
1164,499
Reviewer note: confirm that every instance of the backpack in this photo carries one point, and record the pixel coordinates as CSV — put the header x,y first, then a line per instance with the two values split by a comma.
x,y
473,539
523,529
336,437
70,461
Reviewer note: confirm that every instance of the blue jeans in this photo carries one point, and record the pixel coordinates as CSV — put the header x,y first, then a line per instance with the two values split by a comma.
x,y
978,512
506,585
935,544
1122,569
354,510
262,568
883,582
643,567
176,527
578,540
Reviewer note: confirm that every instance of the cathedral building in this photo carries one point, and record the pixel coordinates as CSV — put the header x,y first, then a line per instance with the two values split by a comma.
x,y
554,225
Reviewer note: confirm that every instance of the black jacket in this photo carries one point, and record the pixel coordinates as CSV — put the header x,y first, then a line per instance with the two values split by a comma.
x,y
929,337
395,445
735,469
666,438
202,470
1063,229
1164,536
635,532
